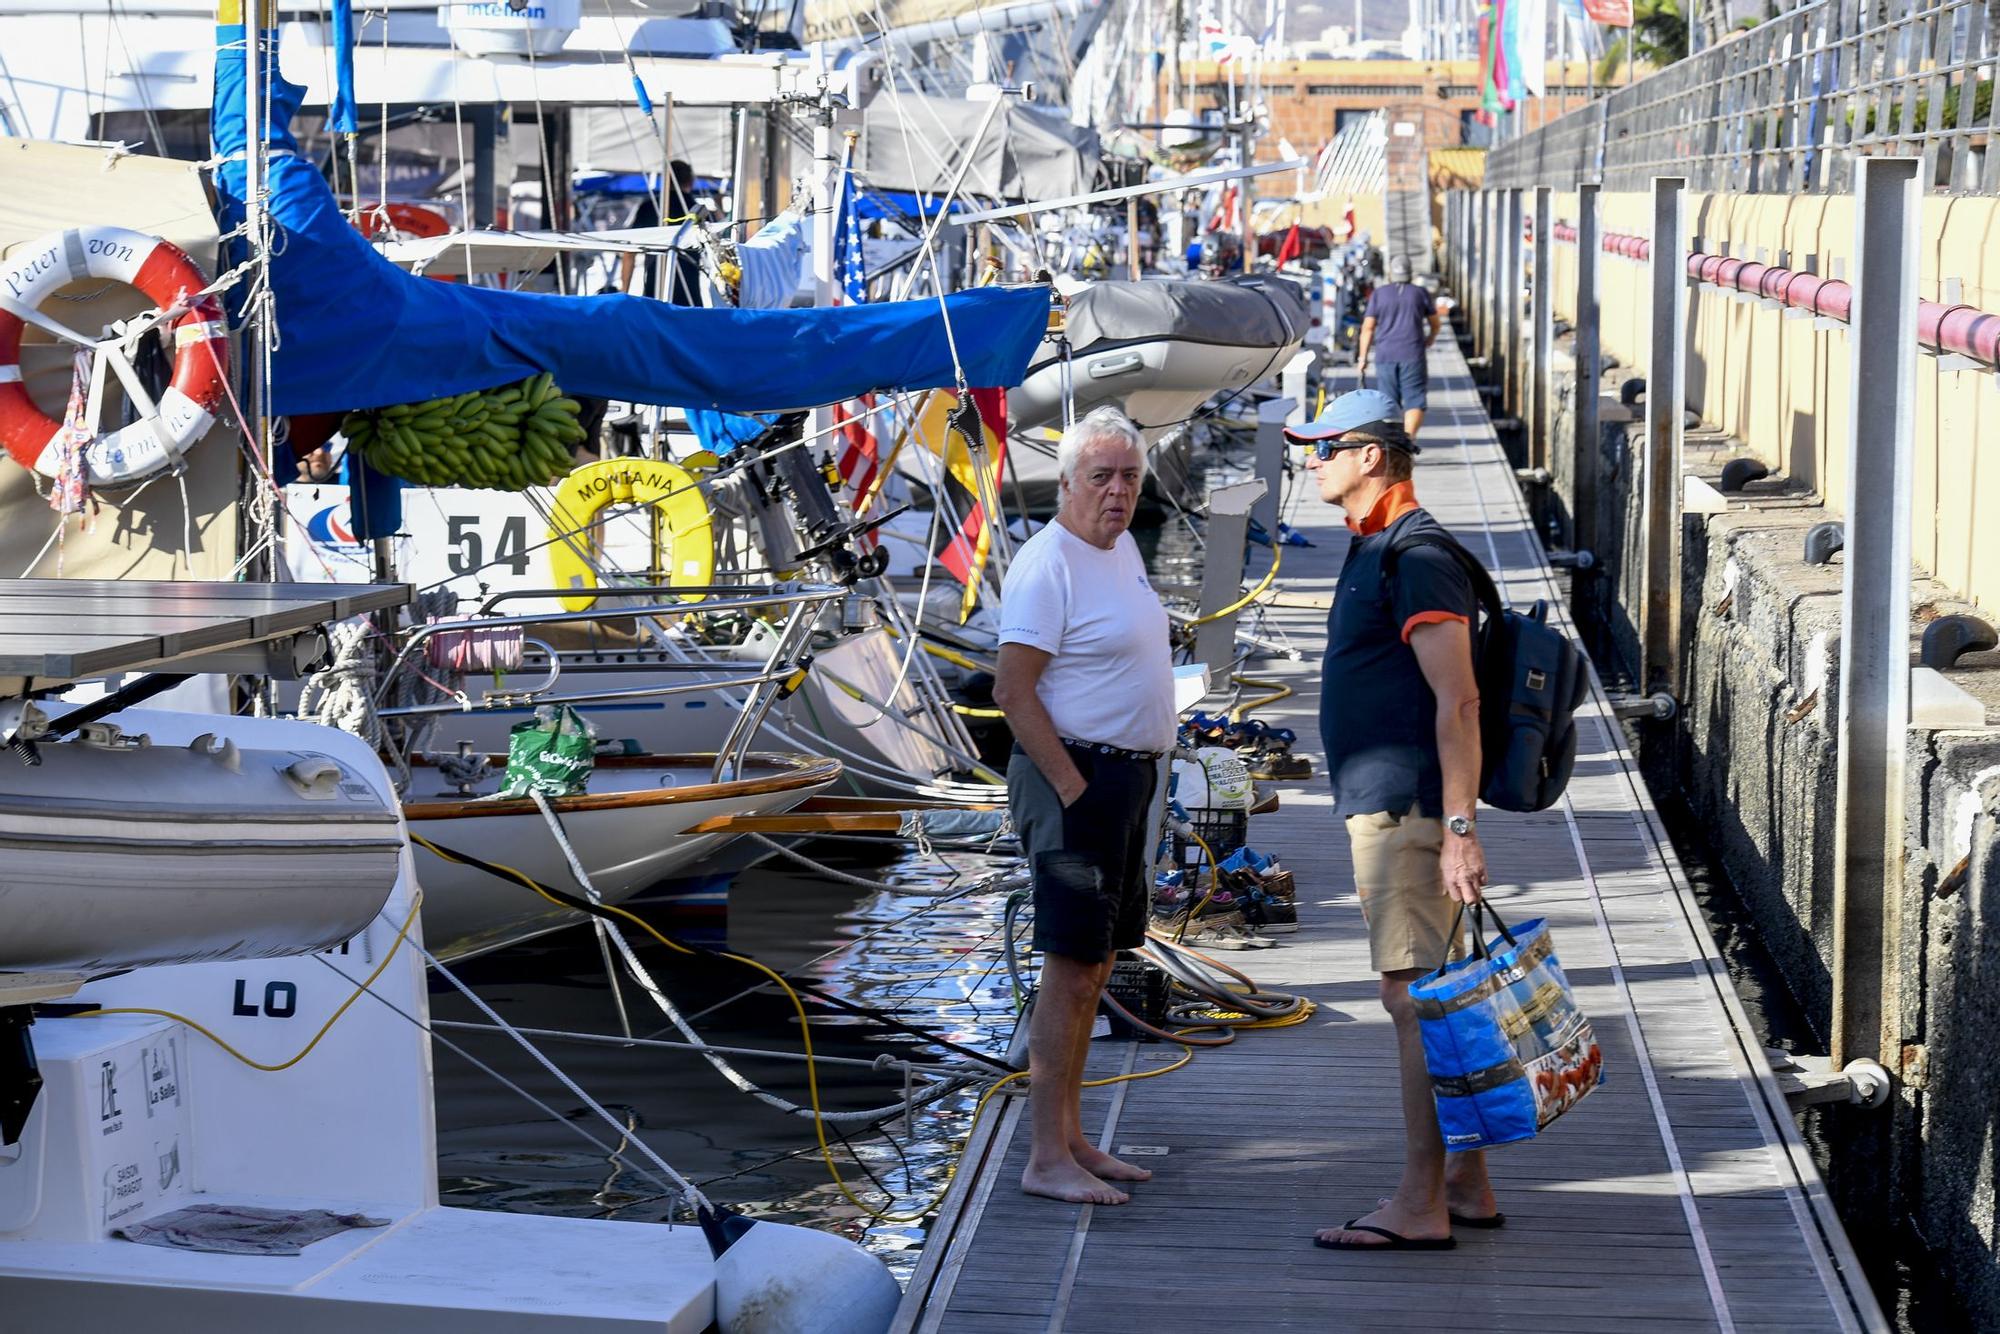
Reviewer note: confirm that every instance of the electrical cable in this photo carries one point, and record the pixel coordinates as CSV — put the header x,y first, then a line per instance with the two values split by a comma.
x,y
402,934
604,911
1277,560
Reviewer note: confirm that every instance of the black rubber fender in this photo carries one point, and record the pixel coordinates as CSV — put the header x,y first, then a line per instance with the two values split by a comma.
x,y
1823,540
1949,638
1740,472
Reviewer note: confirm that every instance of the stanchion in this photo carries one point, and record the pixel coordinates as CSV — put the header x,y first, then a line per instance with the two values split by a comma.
x,y
1665,377
1587,454
1875,605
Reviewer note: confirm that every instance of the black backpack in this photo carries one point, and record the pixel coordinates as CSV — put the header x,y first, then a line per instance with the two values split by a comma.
x,y
1532,679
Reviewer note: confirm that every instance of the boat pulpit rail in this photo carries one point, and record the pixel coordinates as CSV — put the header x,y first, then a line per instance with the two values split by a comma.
x,y
783,670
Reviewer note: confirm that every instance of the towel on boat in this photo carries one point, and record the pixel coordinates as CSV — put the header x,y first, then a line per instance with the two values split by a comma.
x,y
242,1229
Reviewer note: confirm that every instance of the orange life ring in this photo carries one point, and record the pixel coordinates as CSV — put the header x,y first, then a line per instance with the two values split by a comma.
x,y
410,219
165,274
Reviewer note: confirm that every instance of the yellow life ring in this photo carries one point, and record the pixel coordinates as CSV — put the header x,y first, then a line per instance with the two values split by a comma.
x,y
683,543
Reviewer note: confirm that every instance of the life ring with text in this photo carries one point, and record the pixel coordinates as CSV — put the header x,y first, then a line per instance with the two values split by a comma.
x,y
164,273
683,540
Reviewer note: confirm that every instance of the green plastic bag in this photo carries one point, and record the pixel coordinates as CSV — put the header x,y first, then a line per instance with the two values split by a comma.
x,y
552,754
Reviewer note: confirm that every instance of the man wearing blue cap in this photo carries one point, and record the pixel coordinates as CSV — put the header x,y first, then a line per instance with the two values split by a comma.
x,y
1401,323
1399,715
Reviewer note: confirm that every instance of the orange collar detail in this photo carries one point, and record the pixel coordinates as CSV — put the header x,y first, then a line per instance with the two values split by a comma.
x,y
1397,501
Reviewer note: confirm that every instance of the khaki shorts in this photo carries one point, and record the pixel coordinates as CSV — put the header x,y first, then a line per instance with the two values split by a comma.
x,y
1402,890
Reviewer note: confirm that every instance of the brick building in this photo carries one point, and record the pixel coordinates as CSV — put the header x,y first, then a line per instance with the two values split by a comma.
x,y
1429,105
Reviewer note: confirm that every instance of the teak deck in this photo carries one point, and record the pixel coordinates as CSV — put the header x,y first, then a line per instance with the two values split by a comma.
x,y
1678,1197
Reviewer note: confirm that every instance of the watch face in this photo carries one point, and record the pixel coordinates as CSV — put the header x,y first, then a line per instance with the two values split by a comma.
x,y
1458,824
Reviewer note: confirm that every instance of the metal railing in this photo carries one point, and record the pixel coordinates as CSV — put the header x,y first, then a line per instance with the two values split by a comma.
x,y
1789,106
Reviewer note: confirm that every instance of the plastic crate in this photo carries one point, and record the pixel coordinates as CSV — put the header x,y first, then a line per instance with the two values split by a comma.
x,y
1140,987
1223,829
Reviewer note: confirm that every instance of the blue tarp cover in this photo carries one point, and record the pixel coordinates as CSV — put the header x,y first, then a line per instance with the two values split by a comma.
x,y
355,331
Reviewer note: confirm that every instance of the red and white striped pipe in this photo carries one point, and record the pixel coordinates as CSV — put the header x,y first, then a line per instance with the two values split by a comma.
x,y
1966,330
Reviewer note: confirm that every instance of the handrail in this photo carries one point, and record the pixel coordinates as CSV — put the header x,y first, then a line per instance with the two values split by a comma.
x,y
780,595
1945,328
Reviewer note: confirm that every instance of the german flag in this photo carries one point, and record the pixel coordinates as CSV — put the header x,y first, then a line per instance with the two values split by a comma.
x,y
945,424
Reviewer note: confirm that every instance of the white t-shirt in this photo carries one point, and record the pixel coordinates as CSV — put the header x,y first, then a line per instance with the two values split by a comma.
x,y
1110,678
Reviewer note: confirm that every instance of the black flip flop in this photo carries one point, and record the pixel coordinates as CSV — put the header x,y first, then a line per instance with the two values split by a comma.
x,y
1490,1221
1392,1241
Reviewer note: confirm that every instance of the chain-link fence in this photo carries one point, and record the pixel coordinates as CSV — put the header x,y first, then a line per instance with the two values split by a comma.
x,y
1787,106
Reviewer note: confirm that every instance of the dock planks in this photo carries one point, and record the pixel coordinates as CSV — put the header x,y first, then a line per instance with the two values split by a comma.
x,y
1678,1198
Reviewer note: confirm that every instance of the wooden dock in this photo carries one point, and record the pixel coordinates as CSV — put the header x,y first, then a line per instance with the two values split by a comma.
x,y
1678,1197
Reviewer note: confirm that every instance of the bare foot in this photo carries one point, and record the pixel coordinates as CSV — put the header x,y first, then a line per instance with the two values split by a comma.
x,y
1468,1192
1472,1204
1068,1182
1396,1219
1101,1164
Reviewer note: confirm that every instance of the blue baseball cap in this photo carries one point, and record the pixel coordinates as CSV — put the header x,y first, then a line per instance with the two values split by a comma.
x,y
1368,410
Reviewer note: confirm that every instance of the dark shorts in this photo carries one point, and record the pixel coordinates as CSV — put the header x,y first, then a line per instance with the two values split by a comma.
x,y
1091,862
1408,382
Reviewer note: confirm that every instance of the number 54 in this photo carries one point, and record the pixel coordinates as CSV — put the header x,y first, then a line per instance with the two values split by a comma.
x,y
468,549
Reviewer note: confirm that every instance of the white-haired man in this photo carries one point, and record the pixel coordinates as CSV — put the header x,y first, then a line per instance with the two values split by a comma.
x,y
1086,681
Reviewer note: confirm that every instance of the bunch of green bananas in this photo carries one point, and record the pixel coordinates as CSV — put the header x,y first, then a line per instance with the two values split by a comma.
x,y
508,439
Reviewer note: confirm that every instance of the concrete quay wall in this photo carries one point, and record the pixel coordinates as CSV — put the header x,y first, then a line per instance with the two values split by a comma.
x,y
1753,751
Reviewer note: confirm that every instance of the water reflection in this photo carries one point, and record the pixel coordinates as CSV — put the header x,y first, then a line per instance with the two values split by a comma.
x,y
941,972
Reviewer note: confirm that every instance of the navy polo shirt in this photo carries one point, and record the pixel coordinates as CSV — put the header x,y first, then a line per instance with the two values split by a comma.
x,y
1402,314
1377,715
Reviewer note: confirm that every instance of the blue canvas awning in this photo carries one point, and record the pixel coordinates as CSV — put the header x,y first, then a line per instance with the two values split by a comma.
x,y
355,331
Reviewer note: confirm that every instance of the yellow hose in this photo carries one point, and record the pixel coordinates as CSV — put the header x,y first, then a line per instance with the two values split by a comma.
x,y
1277,559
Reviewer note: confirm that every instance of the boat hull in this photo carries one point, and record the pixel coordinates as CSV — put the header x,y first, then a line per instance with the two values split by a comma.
x,y
636,827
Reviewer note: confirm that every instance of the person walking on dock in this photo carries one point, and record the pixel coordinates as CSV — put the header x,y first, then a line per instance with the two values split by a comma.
x,y
1400,324
1086,681
1399,715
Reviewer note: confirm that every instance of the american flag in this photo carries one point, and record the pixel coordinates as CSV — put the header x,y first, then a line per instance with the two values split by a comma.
x,y
860,453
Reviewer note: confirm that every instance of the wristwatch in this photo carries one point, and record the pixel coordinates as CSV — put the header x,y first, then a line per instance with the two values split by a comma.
x,y
1460,825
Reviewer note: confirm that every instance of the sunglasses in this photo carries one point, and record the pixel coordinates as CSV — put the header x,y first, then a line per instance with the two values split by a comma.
x,y
1326,449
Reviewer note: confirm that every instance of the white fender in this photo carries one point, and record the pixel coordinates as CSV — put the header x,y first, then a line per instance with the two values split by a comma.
x,y
773,1278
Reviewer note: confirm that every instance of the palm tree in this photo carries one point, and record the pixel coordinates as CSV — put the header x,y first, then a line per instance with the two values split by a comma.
x,y
1659,34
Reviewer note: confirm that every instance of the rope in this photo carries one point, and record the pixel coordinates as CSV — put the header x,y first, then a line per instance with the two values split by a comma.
x,y
821,868
1277,559
402,934
343,694
688,1189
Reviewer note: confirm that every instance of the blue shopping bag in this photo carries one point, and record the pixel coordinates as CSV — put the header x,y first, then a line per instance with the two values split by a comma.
x,y
1506,1046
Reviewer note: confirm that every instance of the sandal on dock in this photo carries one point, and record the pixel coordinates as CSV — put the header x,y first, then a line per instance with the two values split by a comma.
x,y
1392,1241
1490,1221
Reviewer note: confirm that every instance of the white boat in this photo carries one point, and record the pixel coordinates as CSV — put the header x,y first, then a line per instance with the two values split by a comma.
x,y
199,850
640,823
1157,349
836,711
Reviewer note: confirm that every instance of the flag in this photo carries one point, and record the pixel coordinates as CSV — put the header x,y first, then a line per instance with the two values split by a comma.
x,y
1533,25
1611,13
858,455
858,452
848,261
1290,249
1224,217
1323,168
1489,57
1506,52
941,421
